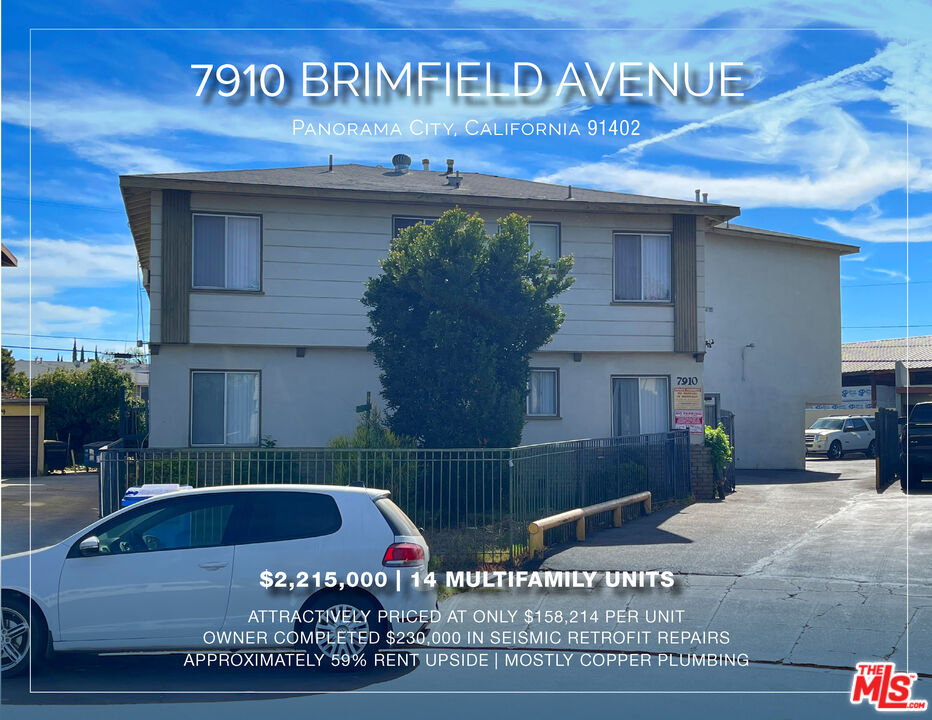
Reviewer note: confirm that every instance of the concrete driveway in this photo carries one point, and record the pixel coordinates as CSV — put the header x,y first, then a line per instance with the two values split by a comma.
x,y
827,522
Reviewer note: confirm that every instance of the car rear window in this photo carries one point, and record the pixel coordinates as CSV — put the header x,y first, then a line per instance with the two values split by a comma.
x,y
399,522
278,515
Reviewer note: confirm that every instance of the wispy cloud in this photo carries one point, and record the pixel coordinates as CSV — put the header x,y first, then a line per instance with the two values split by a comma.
x,y
883,230
58,266
892,274
846,188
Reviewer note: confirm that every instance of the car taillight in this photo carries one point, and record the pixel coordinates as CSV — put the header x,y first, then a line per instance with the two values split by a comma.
x,y
403,553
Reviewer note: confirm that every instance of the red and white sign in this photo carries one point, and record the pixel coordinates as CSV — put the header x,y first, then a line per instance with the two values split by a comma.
x,y
885,689
688,420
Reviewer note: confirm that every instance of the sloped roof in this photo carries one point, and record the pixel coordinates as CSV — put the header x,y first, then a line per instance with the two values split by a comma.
x,y
749,233
881,355
384,184
378,179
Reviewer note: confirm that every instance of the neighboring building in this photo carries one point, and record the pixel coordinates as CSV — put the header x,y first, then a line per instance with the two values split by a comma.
x,y
138,371
23,432
257,329
869,371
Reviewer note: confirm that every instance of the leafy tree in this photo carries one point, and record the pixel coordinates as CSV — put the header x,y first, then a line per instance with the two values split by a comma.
x,y
15,382
84,405
455,315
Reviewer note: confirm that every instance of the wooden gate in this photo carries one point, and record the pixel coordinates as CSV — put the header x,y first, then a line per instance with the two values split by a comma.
x,y
887,459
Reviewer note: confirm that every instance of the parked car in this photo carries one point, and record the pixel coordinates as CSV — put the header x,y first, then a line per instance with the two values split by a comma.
x,y
916,444
167,572
834,436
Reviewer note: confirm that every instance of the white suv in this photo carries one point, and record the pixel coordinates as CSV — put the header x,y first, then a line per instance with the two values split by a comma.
x,y
837,435
186,569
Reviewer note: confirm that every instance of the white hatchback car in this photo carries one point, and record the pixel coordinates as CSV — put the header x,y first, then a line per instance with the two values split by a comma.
x,y
182,571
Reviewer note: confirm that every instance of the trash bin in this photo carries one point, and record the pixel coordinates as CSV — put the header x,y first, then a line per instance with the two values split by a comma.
x,y
91,451
174,532
56,455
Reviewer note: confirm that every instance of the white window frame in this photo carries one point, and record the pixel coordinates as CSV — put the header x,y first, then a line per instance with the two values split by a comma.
x,y
625,233
226,280
556,390
639,378
258,375
559,240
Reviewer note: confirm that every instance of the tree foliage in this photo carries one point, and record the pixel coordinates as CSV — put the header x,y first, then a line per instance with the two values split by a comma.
x,y
14,382
455,315
84,405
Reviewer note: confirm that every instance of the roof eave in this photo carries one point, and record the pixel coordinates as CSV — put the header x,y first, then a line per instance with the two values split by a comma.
x,y
787,239
718,213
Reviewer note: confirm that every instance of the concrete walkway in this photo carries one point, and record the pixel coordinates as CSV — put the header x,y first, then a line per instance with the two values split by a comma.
x,y
799,568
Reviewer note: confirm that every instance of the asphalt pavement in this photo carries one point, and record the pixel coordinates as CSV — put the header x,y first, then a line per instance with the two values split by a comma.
x,y
58,505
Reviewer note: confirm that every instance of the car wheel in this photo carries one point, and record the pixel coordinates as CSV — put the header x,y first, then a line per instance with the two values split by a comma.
x,y
871,450
17,640
834,450
345,632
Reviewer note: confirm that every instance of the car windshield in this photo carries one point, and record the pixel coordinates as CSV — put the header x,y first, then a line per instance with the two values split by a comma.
x,y
922,414
827,424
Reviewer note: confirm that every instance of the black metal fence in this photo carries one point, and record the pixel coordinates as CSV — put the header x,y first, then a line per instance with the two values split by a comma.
x,y
474,505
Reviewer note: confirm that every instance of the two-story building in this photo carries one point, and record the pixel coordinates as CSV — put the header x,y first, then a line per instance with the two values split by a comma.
x,y
257,329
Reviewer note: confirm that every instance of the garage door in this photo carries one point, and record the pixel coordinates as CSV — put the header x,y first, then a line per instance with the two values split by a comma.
x,y
17,455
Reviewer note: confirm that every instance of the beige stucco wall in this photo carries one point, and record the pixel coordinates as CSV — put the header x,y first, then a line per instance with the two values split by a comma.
x,y
785,300
308,401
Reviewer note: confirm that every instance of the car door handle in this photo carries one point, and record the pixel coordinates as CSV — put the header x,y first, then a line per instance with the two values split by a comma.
x,y
213,565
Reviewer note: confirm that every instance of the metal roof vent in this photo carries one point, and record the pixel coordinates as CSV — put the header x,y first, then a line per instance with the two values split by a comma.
x,y
401,162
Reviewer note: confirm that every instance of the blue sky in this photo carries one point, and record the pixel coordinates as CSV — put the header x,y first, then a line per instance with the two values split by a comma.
x,y
818,146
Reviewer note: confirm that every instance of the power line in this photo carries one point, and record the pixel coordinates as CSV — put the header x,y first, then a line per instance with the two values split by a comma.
x,y
67,350
72,337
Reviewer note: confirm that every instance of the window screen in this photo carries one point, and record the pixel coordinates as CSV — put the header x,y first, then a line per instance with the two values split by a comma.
x,y
542,392
226,252
224,408
640,405
546,238
642,268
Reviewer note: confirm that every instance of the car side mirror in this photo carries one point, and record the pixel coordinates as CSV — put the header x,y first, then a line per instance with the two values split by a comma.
x,y
90,546
901,421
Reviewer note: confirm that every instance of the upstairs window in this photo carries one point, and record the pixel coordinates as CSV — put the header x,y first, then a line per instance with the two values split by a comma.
x,y
226,252
400,222
546,238
642,268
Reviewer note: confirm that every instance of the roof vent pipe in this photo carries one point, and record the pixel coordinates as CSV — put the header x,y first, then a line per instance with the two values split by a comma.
x,y
449,166
401,162
330,169
426,163
570,192
705,197
697,194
